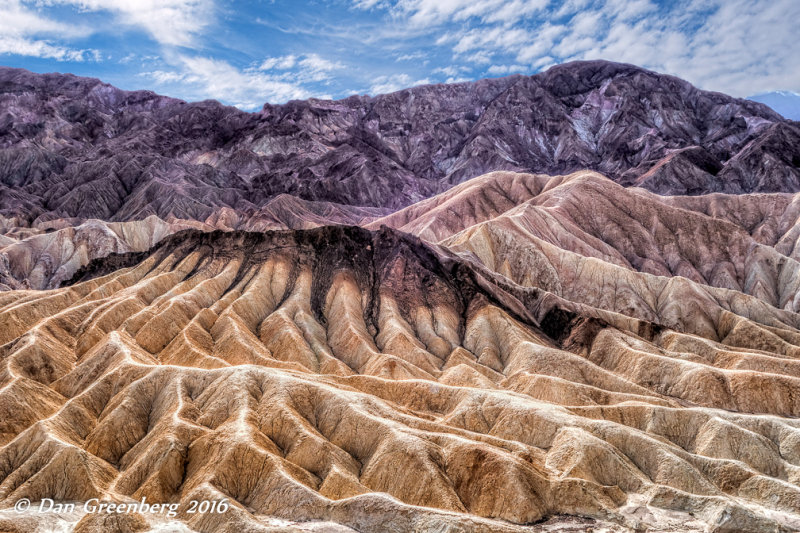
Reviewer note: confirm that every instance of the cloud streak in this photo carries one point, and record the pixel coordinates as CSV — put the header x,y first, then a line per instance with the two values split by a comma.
x,y
205,77
168,22
275,79
25,32
395,82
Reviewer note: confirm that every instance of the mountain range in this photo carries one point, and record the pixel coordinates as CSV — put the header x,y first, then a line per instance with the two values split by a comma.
x,y
563,302
140,154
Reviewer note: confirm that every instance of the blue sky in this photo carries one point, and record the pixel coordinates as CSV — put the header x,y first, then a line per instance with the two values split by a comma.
x,y
245,53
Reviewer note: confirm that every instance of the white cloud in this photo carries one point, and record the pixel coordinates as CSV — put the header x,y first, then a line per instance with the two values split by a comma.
x,y
315,68
368,4
509,12
432,12
274,80
39,48
204,77
498,38
411,57
478,58
502,70
543,39
570,7
451,70
279,63
586,23
543,63
746,47
27,33
735,46
742,47
16,19
302,68
169,22
395,82
163,77
628,9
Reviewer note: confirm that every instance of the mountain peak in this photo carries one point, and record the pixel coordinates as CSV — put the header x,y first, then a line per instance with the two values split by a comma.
x,y
141,154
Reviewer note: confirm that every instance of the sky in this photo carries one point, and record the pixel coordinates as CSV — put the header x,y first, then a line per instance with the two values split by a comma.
x,y
246,53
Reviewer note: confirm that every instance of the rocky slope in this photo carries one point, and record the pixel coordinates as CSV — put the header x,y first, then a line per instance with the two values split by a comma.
x,y
351,380
314,313
44,256
77,148
743,243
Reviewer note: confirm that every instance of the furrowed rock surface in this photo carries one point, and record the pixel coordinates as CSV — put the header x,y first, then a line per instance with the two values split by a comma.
x,y
361,380
318,312
77,148
742,243
44,256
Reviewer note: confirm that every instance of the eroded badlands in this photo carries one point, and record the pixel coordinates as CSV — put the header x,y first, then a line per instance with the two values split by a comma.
x,y
345,379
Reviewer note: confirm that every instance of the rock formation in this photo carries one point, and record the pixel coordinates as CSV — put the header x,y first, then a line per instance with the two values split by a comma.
x,y
45,256
303,374
77,148
313,314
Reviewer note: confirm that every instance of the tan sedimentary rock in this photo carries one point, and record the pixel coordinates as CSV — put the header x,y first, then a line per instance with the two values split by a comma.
x,y
45,259
740,242
45,256
352,380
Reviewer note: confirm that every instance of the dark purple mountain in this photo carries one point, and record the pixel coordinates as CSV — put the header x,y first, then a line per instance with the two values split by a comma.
x,y
76,147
